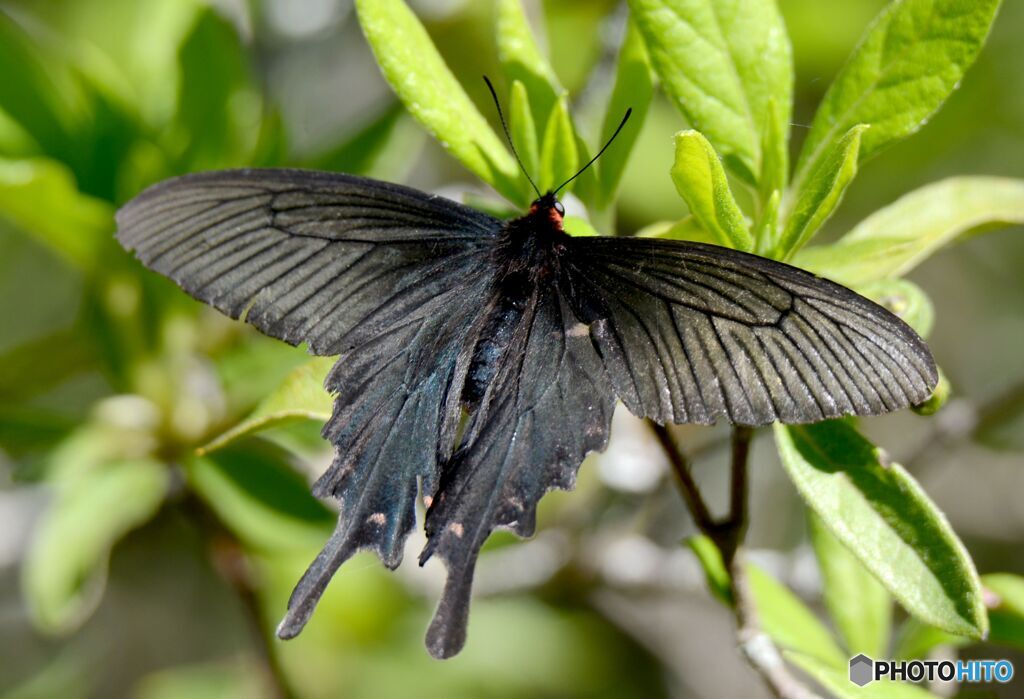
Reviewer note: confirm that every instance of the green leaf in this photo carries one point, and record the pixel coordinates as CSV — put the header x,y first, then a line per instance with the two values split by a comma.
x,y
1006,611
821,193
883,517
775,146
686,228
421,79
938,398
917,639
837,681
221,680
384,148
710,559
523,128
217,103
40,197
908,62
65,571
523,62
859,605
767,230
301,396
559,157
260,497
897,238
903,298
577,225
789,622
39,93
721,62
1004,593
633,89
701,182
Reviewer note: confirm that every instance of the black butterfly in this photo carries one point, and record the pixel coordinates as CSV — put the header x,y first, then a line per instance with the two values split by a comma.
x,y
436,308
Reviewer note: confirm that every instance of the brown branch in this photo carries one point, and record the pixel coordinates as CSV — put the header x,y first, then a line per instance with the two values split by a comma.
x,y
727,534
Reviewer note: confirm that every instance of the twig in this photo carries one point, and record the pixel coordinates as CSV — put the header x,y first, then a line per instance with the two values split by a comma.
x,y
727,534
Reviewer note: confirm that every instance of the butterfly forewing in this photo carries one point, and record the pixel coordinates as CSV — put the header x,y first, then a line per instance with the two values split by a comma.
x,y
692,333
308,256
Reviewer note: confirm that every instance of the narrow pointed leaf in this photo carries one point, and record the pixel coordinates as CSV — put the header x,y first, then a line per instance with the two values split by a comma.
x,y
700,180
789,622
720,62
897,238
66,568
40,197
522,60
260,497
908,62
767,231
821,193
884,518
775,147
524,130
633,89
860,607
301,396
559,157
837,681
421,79
715,573
216,84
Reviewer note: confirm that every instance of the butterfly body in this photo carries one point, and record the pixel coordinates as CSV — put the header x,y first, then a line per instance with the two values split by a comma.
x,y
436,309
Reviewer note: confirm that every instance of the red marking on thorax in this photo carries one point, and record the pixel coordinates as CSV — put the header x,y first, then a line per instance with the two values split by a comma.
x,y
551,213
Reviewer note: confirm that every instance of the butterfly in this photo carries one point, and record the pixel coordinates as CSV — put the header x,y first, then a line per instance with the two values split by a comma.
x,y
438,311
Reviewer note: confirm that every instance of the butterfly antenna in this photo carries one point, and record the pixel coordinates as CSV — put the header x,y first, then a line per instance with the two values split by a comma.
x,y
622,123
508,136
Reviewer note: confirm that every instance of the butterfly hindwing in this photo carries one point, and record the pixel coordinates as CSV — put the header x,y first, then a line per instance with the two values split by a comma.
x,y
690,333
548,406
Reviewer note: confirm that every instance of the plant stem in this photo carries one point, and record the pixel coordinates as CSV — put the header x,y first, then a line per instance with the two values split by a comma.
x,y
229,560
727,534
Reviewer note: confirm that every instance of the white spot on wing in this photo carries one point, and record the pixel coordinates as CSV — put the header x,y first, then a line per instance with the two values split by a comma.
x,y
579,330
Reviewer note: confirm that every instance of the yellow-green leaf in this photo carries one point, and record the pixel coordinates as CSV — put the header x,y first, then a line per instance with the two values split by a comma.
x,y
66,568
821,193
909,61
301,396
880,513
421,79
701,182
897,238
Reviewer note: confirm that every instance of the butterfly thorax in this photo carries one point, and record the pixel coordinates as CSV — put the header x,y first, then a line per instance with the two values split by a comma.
x,y
528,254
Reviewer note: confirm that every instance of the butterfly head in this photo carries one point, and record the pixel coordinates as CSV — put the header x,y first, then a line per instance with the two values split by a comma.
x,y
547,206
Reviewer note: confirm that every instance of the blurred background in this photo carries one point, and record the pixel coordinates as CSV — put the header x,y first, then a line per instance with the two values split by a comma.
x,y
110,377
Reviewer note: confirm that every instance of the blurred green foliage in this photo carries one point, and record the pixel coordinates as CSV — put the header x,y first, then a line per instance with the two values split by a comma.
x,y
124,404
